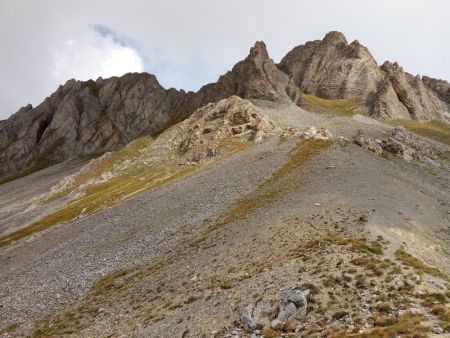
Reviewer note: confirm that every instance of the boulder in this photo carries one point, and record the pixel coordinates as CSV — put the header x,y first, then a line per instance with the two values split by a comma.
x,y
368,143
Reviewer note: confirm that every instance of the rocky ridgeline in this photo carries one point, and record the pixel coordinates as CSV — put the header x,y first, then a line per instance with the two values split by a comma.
x,y
92,117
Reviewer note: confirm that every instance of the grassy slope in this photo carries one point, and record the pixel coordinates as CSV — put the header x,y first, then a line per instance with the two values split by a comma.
x,y
342,107
99,196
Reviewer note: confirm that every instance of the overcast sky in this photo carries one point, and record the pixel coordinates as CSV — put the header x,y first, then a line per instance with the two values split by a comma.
x,y
188,43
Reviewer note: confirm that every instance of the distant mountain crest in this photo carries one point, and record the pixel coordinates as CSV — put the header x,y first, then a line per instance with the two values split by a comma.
x,y
91,117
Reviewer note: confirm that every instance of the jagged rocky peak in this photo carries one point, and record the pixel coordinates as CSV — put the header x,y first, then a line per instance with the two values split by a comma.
x,y
88,117
441,87
333,69
413,98
335,38
259,50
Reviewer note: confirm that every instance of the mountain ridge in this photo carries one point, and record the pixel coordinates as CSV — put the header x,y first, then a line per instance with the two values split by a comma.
x,y
86,118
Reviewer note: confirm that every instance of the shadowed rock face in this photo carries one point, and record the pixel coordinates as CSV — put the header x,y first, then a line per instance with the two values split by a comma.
x,y
88,118
85,118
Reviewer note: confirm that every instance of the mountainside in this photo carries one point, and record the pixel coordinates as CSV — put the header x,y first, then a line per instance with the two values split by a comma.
x,y
87,118
309,198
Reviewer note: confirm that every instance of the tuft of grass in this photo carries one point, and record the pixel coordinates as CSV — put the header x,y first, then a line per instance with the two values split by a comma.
x,y
361,245
8,328
436,130
377,266
418,265
341,107
384,320
227,284
407,325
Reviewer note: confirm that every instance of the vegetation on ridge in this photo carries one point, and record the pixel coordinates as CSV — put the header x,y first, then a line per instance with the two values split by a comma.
x,y
341,107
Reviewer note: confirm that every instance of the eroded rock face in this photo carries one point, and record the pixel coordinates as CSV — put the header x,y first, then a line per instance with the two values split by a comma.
x,y
333,69
419,100
85,118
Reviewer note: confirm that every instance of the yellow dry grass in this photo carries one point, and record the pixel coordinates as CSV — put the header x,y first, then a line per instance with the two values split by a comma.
x,y
342,107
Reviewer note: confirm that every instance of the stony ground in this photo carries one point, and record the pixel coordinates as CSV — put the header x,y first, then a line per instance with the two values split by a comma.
x,y
187,258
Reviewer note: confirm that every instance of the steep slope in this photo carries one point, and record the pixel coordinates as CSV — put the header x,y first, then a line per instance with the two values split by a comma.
x,y
194,255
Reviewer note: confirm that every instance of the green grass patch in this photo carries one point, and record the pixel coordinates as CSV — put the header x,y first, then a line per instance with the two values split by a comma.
x,y
436,130
341,107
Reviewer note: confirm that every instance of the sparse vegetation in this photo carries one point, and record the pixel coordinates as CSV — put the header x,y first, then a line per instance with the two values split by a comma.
x,y
407,325
268,190
227,284
8,328
374,264
342,107
130,151
418,265
436,130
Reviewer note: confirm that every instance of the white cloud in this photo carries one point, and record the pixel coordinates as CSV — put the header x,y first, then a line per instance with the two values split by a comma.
x,y
87,54
189,43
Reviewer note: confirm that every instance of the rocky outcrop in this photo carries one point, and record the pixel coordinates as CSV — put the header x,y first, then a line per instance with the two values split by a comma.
x,y
333,69
256,77
402,144
292,307
419,100
86,118
440,87
228,120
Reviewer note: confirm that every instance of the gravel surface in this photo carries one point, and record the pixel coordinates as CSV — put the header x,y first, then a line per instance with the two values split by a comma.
x,y
408,203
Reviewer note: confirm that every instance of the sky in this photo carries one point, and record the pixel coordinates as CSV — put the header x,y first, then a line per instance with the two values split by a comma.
x,y
189,43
